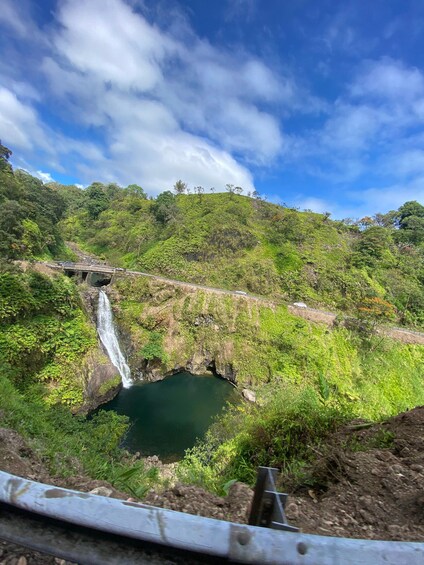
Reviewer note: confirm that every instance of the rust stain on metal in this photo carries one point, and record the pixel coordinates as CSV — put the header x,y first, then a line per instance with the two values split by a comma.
x,y
59,493
17,487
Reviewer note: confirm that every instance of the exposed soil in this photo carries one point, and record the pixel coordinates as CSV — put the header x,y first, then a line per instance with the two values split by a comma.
x,y
194,500
369,483
366,482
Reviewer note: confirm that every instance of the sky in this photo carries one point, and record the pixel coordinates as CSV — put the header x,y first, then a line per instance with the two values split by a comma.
x,y
317,104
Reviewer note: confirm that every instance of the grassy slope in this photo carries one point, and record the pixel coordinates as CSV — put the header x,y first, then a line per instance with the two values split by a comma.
x,y
308,378
379,377
240,243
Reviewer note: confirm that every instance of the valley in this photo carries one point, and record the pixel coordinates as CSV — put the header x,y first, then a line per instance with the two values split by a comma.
x,y
205,285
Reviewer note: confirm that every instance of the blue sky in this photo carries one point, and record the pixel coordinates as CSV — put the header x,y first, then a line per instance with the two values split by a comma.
x,y
315,103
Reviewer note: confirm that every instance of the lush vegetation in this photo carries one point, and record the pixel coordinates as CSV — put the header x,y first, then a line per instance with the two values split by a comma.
x,y
294,414
236,242
71,445
308,378
30,212
225,240
44,335
45,340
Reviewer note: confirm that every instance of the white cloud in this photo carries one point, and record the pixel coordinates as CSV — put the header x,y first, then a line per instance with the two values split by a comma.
x,y
130,61
372,127
168,108
10,17
19,125
406,163
373,199
162,102
43,176
389,80
352,127
315,204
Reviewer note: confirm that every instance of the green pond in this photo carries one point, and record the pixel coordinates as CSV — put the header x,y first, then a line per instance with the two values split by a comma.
x,y
168,416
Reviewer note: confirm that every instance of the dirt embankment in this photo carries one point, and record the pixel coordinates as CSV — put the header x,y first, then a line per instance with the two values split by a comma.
x,y
366,482
17,457
369,483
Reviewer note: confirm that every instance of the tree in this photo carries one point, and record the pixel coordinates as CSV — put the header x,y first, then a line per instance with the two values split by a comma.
x,y
165,208
371,246
5,152
366,222
238,190
256,194
136,190
411,208
212,189
411,222
113,190
230,189
199,190
386,220
180,187
97,201
375,310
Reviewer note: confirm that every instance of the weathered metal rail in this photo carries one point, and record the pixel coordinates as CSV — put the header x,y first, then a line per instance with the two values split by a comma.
x,y
90,529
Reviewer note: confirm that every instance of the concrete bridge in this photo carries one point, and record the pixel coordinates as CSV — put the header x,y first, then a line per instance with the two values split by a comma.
x,y
94,275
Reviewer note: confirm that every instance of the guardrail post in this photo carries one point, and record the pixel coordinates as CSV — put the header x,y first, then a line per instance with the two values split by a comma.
x,y
268,504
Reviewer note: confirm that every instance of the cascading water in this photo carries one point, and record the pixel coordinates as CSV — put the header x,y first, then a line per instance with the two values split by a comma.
x,y
108,337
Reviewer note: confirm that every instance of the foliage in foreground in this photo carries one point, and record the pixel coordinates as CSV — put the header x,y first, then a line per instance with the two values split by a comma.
x,y
72,445
282,433
291,420
44,334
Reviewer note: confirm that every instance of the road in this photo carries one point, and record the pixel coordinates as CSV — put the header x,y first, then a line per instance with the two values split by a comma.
x,y
107,270
312,314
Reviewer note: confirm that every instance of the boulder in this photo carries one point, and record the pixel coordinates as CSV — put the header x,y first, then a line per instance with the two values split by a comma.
x,y
248,395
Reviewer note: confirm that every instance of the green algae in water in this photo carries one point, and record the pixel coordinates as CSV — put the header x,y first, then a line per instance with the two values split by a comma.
x,y
168,416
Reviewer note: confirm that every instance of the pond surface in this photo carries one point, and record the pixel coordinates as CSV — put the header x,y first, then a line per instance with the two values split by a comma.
x,y
167,416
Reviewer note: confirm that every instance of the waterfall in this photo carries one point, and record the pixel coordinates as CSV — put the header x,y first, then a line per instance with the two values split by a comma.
x,y
108,337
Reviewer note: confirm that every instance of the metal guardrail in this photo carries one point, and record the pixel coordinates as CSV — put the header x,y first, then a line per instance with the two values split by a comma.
x,y
268,504
95,530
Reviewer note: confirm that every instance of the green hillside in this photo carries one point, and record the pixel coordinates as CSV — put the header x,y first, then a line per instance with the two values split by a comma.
x,y
237,242
225,240
307,377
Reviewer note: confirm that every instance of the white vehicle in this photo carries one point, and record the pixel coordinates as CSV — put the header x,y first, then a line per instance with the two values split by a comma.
x,y
299,304
240,292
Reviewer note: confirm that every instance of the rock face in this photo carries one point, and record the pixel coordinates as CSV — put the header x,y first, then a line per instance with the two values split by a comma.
x,y
160,310
198,364
103,381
